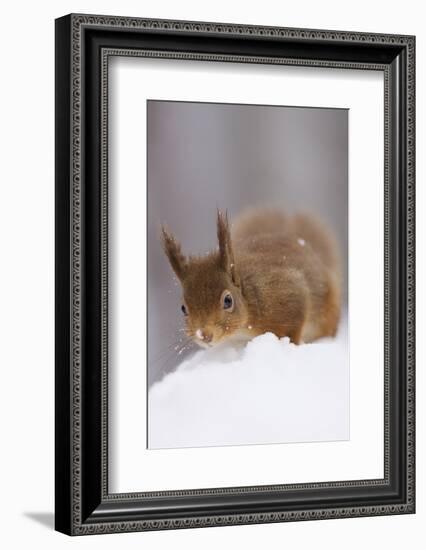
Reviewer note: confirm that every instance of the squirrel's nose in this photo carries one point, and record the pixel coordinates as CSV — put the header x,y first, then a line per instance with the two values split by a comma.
x,y
204,335
207,337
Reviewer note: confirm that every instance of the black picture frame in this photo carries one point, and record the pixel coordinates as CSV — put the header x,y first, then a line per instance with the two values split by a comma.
x,y
83,45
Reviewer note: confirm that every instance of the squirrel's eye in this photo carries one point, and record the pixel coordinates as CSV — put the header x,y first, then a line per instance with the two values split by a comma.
x,y
228,301
184,310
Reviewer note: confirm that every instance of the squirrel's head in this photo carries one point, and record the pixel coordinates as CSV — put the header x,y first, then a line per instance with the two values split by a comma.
x,y
213,305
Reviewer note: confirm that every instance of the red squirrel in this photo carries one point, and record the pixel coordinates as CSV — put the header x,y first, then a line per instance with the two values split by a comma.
x,y
271,273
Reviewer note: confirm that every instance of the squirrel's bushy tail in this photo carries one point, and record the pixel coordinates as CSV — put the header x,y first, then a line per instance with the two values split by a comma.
x,y
320,237
259,221
304,226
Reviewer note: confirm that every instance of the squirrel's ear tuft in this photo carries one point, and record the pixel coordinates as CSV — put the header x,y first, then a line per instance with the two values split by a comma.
x,y
173,251
226,254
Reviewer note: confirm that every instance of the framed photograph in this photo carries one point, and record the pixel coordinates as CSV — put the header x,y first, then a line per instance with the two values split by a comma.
x,y
234,274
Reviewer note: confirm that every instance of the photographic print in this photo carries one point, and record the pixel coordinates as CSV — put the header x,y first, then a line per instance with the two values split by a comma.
x,y
247,263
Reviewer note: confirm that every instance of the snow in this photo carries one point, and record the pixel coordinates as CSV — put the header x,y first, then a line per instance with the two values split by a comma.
x,y
270,391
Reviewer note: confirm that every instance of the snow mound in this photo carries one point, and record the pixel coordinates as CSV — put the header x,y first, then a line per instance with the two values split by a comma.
x,y
270,391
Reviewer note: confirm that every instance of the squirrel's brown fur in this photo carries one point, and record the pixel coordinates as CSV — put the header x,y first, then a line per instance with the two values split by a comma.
x,y
282,272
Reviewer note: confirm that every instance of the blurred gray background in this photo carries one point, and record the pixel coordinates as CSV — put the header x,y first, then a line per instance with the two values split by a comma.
x,y
203,156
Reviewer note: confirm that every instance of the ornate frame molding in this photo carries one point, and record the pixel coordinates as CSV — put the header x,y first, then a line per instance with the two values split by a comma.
x,y
72,47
